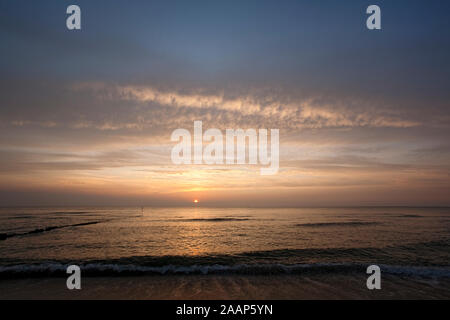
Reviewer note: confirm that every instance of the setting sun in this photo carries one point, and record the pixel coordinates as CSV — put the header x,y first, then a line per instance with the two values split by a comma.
x,y
195,201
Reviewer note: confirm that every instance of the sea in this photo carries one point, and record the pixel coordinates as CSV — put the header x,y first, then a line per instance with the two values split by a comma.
x,y
119,241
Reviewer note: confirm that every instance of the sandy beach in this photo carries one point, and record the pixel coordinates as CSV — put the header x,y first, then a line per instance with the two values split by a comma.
x,y
226,287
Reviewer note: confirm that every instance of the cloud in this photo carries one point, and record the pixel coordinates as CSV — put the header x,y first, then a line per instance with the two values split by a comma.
x,y
247,110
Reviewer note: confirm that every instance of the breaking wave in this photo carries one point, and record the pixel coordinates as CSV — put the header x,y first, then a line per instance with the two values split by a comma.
x,y
99,269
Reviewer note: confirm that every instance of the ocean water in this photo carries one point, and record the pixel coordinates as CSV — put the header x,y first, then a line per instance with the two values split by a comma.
x,y
165,241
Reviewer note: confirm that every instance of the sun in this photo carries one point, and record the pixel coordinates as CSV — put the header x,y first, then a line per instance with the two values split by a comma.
x,y
195,201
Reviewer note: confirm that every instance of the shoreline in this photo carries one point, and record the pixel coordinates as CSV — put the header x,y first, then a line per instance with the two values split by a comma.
x,y
226,287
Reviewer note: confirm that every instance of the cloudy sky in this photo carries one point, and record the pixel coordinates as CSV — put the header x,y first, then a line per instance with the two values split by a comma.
x,y
86,116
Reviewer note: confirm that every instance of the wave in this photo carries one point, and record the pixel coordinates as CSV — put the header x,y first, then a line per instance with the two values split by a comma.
x,y
209,219
433,253
331,224
410,216
4,236
425,258
19,217
69,212
98,269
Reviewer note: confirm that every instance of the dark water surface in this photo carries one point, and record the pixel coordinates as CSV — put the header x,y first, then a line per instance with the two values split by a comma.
x,y
107,241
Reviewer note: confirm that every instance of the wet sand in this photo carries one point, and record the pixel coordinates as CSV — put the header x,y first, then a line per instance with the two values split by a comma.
x,y
227,287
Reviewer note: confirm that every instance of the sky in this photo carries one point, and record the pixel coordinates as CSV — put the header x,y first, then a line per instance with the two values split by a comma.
x,y
86,116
